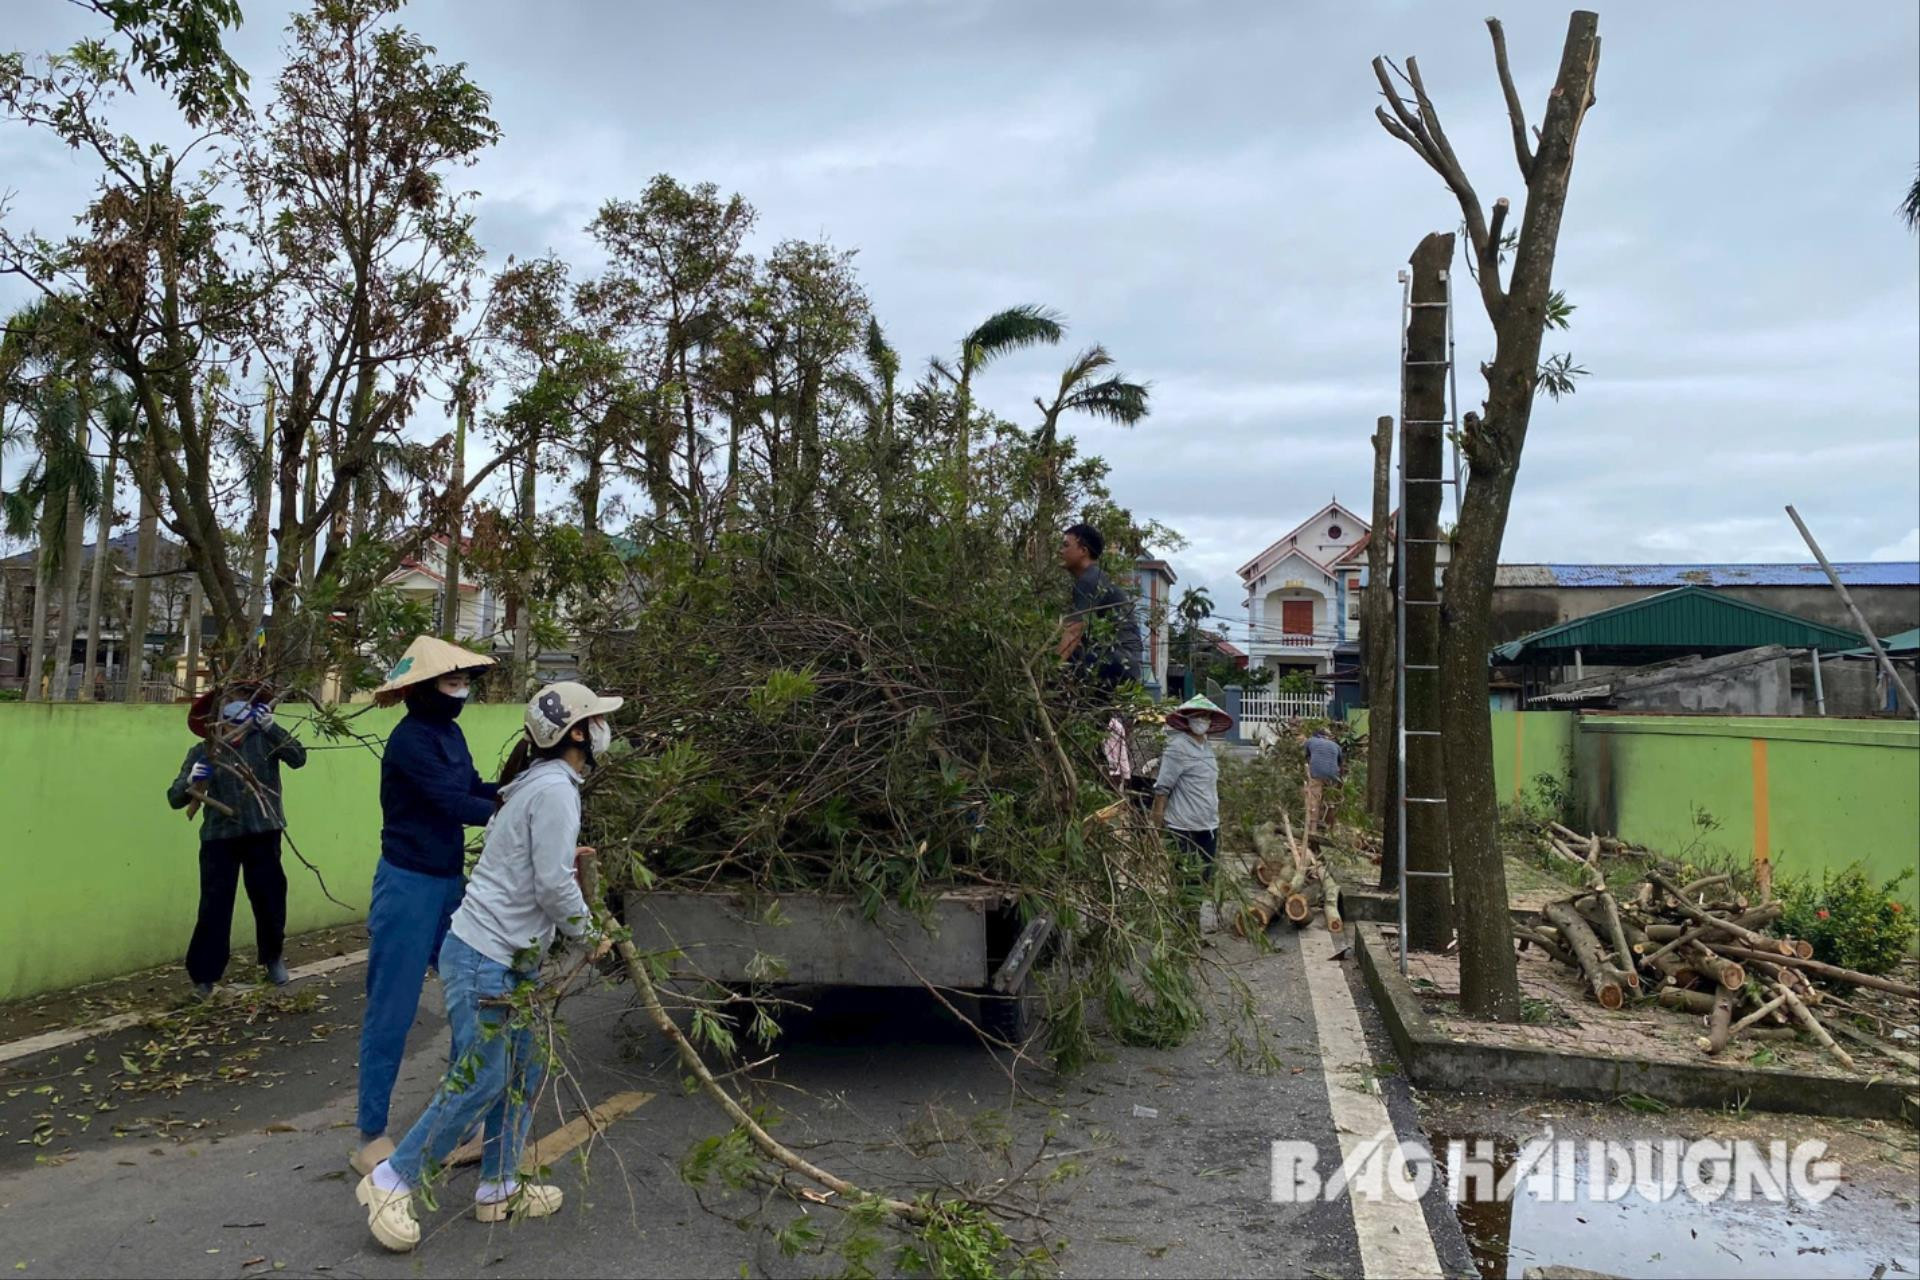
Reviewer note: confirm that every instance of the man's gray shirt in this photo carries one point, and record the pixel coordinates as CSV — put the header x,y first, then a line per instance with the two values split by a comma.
x,y
1323,758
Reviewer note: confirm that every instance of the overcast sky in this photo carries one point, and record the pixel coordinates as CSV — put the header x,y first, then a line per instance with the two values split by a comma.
x,y
1202,187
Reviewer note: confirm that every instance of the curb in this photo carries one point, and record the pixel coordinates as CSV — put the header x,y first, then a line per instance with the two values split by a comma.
x,y
48,1041
1435,1060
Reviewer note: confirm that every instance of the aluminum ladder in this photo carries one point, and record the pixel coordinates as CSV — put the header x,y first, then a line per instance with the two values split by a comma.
x,y
1449,422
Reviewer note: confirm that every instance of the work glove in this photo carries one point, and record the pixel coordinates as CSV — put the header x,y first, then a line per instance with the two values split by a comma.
x,y
262,716
200,772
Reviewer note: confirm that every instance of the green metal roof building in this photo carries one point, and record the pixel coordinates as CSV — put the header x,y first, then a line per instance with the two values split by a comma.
x,y
1673,624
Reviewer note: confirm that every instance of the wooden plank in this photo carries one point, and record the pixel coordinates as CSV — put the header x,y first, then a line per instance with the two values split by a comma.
x,y
820,939
552,1148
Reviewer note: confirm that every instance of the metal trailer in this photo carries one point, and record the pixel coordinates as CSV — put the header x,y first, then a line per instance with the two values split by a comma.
x,y
970,942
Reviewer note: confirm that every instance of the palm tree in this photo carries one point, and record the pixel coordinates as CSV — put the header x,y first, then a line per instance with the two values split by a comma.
x,y
49,503
1910,207
116,412
1195,607
1014,329
1083,390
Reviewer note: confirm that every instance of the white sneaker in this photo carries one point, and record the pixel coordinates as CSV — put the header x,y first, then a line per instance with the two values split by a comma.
x,y
389,1216
527,1200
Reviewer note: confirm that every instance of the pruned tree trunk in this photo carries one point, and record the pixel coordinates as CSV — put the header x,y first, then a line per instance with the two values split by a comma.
x,y
456,504
37,646
100,558
147,533
523,619
1492,442
196,606
75,552
1429,896
309,498
262,527
1376,632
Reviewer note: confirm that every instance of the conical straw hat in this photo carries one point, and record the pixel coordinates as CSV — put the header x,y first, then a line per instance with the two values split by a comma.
x,y
1200,704
427,658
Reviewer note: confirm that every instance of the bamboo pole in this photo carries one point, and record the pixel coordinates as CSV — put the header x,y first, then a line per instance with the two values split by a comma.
x,y
1859,619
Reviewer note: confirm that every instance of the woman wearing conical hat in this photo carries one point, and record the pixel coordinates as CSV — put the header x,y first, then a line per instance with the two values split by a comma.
x,y
1186,791
429,794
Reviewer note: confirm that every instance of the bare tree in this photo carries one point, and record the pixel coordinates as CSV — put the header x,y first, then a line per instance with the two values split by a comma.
x,y
1492,441
1376,627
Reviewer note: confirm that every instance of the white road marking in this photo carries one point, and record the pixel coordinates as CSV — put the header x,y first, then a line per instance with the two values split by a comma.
x,y
51,1040
1393,1232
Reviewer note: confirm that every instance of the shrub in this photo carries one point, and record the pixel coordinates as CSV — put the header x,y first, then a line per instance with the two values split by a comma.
x,y
1849,920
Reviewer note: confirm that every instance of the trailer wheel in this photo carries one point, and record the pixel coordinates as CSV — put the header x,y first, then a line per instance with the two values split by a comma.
x,y
1008,1018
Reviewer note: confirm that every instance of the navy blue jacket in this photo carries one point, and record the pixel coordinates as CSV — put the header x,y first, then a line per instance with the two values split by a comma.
x,y
429,791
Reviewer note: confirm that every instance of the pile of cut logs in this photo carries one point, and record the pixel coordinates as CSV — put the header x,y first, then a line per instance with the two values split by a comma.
x,y
1702,949
1293,885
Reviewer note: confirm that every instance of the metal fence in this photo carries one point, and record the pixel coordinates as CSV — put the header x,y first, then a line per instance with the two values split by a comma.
x,y
1270,710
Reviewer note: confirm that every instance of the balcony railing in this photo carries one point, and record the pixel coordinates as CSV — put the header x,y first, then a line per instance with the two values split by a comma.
x,y
1264,637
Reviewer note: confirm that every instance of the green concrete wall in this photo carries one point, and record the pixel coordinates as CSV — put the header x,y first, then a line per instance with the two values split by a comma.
x,y
1525,745
1804,795
101,877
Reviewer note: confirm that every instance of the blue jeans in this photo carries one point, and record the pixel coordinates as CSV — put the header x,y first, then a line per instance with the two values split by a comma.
x,y
496,1072
407,922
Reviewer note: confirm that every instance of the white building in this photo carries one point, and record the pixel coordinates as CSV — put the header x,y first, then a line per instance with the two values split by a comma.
x,y
424,578
1153,582
1303,593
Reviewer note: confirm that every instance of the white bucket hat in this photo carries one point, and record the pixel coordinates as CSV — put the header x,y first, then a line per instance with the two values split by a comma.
x,y
427,658
559,707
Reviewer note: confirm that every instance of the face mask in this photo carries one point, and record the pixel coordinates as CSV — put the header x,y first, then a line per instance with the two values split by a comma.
x,y
599,738
237,712
459,694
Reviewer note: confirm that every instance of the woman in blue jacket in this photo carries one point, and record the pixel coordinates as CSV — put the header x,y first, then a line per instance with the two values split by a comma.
x,y
429,794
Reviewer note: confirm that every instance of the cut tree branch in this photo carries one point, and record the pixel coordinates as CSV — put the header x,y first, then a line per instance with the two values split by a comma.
x,y
1515,112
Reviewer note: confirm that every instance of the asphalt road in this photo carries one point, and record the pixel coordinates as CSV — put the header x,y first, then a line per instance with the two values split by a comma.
x,y
1147,1163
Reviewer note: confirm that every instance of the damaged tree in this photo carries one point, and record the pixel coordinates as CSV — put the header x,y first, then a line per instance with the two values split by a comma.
x,y
1376,627
1492,442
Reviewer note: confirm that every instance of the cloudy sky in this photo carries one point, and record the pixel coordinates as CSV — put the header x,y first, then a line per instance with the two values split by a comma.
x,y
1201,186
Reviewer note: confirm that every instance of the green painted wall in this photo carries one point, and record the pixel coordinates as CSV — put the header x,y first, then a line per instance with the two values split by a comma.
x,y
1814,795
102,877
1525,744
1808,795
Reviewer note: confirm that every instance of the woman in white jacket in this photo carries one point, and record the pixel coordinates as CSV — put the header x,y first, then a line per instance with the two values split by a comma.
x,y
524,889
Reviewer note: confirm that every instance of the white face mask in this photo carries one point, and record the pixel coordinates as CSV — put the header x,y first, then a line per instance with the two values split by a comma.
x,y
599,737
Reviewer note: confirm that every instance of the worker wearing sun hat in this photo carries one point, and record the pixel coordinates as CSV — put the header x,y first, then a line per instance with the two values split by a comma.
x,y
233,774
526,888
429,793
1186,791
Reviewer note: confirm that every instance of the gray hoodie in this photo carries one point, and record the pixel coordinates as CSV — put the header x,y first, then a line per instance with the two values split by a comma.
x,y
523,888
